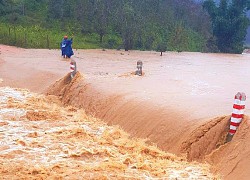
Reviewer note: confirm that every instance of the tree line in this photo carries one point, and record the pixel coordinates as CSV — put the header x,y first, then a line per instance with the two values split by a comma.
x,y
229,23
177,25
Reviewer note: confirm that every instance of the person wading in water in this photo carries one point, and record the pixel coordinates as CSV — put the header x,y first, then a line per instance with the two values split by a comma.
x,y
66,47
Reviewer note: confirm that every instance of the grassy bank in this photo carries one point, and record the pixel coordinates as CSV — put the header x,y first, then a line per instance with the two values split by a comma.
x,y
38,37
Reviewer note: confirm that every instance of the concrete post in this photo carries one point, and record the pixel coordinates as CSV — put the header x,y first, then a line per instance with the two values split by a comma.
x,y
139,68
72,68
237,115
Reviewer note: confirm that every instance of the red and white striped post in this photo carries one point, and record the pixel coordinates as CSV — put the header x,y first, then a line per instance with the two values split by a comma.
x,y
237,115
72,68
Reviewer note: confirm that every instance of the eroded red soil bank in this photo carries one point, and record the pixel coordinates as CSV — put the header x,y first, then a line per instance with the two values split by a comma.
x,y
165,127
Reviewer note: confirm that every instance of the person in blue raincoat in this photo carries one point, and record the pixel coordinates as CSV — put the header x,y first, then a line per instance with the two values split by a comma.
x,y
66,47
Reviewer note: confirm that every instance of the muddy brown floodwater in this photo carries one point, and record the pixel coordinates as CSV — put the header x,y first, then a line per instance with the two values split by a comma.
x,y
182,102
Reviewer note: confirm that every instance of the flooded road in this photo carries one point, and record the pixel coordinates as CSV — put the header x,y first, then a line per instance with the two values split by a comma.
x,y
200,84
179,94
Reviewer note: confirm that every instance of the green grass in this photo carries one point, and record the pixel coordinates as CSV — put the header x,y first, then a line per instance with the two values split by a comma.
x,y
38,37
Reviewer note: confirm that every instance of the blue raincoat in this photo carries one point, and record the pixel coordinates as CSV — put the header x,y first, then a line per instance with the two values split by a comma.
x,y
66,47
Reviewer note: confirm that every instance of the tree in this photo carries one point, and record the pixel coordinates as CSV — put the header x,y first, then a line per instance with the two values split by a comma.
x,y
162,47
129,24
128,19
101,18
179,38
55,9
3,7
229,23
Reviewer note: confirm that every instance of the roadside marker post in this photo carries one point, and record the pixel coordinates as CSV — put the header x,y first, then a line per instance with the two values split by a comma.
x,y
72,68
237,115
139,68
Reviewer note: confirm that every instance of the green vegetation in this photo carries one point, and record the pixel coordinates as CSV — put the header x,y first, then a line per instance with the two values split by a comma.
x,y
229,22
38,37
125,24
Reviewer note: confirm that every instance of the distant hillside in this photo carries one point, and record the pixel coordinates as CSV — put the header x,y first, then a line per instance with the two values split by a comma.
x,y
175,25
